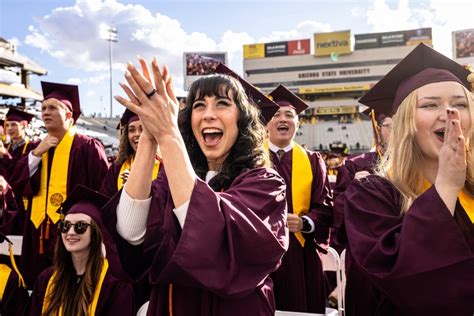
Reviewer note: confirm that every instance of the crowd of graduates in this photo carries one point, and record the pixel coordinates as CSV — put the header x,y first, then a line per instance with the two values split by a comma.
x,y
211,208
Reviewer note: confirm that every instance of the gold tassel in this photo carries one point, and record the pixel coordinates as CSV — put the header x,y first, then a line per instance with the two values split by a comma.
x,y
21,281
47,230
41,251
170,299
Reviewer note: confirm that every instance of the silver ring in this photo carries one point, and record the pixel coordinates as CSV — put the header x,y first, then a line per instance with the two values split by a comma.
x,y
152,93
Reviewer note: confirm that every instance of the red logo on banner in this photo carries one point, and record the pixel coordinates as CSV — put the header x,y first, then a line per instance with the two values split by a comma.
x,y
299,47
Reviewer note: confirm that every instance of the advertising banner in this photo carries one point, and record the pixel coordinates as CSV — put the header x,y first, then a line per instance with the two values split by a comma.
x,y
254,51
334,43
299,47
390,39
276,49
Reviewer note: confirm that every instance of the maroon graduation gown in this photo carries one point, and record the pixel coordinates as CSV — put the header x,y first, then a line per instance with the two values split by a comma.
x,y
87,166
5,163
109,184
17,153
219,262
421,263
115,298
15,298
299,282
364,162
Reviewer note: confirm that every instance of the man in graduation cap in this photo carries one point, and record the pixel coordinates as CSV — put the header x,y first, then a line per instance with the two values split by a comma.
x,y
410,228
19,146
299,283
16,124
62,160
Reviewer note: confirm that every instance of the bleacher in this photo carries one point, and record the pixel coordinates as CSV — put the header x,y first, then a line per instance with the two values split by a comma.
x,y
357,135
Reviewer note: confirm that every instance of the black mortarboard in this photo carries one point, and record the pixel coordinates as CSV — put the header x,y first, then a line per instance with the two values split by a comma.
x,y
267,107
18,116
127,117
284,97
86,201
66,93
420,67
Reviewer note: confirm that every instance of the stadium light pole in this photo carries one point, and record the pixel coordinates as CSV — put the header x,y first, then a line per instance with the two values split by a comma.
x,y
112,36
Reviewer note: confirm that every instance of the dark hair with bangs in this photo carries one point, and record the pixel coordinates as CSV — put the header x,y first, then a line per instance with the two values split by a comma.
x,y
248,151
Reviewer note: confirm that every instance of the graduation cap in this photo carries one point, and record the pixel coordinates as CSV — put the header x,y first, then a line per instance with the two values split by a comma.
x,y
86,201
422,66
66,93
16,115
267,107
127,117
284,97
21,281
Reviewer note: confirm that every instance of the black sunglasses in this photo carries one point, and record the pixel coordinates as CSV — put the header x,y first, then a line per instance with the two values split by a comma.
x,y
79,227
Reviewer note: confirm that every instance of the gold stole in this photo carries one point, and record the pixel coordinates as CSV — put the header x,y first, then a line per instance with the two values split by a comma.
x,y
5,273
93,306
128,165
27,141
50,196
301,184
466,201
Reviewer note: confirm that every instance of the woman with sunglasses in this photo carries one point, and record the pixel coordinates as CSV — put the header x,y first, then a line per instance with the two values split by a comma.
x,y
212,226
410,226
83,280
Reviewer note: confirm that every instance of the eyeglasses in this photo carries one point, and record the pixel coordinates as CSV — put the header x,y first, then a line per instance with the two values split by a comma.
x,y
79,227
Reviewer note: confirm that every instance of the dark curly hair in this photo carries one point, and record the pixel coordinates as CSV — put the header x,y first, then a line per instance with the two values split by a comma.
x,y
125,150
248,151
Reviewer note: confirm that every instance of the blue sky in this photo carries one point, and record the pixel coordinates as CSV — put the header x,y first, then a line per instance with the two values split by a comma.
x,y
63,36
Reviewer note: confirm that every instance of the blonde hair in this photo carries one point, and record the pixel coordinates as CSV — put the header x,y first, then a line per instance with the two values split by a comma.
x,y
402,162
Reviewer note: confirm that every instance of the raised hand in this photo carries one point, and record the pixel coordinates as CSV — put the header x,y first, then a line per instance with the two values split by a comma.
x,y
48,142
452,163
155,103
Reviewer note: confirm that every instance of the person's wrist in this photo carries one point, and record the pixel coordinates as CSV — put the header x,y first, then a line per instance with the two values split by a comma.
x,y
306,226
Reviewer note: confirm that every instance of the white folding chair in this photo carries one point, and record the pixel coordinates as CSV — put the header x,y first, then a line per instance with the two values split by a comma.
x,y
17,242
332,262
343,277
143,309
329,312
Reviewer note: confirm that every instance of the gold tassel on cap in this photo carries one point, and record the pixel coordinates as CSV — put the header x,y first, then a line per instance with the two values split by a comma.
x,y
470,77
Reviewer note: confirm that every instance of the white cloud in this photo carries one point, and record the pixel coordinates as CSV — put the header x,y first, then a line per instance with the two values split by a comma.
x,y
15,41
442,16
304,29
89,80
72,35
90,93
